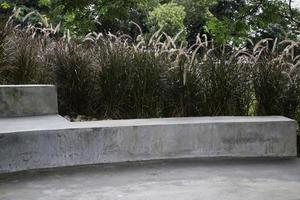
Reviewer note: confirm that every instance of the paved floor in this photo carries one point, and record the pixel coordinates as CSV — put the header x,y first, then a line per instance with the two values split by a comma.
x,y
190,180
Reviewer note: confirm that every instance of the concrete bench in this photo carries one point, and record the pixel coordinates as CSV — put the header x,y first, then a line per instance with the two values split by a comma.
x,y
49,141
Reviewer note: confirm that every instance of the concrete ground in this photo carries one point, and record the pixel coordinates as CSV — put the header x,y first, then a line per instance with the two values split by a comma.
x,y
174,180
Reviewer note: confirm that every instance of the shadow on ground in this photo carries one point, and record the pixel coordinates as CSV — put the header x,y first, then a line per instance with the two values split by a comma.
x,y
247,179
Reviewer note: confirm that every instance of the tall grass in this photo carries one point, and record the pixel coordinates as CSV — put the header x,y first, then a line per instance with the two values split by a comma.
x,y
225,87
112,77
128,80
74,77
22,57
4,33
276,77
22,61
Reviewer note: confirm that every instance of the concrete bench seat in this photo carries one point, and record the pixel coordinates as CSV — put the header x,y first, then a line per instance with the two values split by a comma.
x,y
48,140
57,122
21,124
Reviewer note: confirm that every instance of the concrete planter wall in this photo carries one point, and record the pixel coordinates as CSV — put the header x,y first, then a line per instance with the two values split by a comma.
x,y
51,141
27,100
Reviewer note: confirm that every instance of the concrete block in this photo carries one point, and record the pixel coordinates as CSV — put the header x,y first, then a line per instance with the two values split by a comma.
x,y
27,100
70,144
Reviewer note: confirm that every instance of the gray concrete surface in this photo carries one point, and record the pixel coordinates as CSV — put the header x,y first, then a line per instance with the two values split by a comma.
x,y
184,180
27,100
24,124
28,143
56,122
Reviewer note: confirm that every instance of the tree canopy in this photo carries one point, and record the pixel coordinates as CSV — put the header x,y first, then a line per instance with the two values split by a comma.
x,y
223,20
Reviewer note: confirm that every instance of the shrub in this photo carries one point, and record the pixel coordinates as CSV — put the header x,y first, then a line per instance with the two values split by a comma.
x,y
74,74
129,82
225,87
276,92
23,57
215,85
275,78
181,93
22,64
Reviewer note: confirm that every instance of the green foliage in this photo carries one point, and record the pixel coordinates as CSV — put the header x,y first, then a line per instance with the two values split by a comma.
x,y
224,30
101,15
44,3
197,15
235,21
4,5
168,17
220,30
25,16
225,21
79,22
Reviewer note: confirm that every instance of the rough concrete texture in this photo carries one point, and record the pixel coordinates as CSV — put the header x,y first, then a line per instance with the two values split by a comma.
x,y
298,145
184,180
55,122
43,146
22,124
27,100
